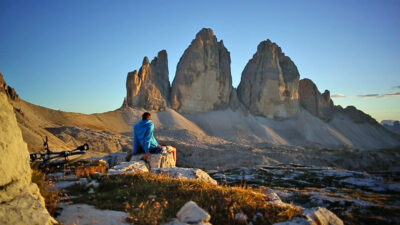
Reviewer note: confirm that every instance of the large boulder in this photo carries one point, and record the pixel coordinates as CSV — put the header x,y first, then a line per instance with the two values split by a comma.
x,y
149,88
312,100
203,80
164,160
20,199
269,84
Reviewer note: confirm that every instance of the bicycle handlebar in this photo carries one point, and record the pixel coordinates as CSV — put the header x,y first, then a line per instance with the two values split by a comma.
x,y
49,155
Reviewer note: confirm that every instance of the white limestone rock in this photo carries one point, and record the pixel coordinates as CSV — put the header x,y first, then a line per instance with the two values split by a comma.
x,y
314,216
187,173
129,167
192,213
83,214
322,216
164,160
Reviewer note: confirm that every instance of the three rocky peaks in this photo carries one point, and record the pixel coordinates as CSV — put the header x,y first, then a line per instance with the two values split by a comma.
x,y
269,86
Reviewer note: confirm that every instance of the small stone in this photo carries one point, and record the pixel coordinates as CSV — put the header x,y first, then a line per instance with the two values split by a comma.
x,y
91,191
192,213
83,181
241,217
94,184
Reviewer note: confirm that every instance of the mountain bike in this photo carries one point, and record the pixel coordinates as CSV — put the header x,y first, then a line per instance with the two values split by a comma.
x,y
49,159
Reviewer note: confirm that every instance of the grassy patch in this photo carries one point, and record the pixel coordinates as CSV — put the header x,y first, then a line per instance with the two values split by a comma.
x,y
155,199
50,196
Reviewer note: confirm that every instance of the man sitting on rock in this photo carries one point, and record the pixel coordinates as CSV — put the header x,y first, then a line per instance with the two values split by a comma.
x,y
143,139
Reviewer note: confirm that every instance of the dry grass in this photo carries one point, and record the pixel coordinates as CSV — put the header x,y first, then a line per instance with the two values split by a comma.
x,y
51,197
155,199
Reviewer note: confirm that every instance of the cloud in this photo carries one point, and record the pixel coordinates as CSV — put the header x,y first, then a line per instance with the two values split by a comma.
x,y
338,95
387,95
393,94
368,95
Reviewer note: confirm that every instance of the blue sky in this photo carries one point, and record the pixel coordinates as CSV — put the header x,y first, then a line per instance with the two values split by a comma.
x,y
75,55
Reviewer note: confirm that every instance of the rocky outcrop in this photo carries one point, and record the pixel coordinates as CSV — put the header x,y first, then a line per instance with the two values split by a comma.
x,y
203,80
356,115
101,141
269,84
11,93
20,199
313,101
149,88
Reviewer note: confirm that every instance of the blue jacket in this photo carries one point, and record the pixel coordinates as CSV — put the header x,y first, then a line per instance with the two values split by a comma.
x,y
143,136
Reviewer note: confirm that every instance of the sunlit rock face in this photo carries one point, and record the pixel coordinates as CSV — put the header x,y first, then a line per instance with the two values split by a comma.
x,y
149,88
20,199
203,80
269,84
11,93
313,101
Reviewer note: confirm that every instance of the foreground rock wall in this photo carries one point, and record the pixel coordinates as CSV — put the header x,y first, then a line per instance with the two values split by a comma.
x,y
20,199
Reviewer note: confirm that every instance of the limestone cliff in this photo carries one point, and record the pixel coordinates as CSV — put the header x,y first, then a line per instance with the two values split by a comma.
x,y
269,84
203,80
149,88
20,199
11,93
312,100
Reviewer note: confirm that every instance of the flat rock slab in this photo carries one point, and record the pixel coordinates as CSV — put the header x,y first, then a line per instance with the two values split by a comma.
x,y
83,214
188,173
322,216
129,167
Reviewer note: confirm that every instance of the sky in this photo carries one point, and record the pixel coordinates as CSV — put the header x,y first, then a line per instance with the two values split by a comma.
x,y
75,55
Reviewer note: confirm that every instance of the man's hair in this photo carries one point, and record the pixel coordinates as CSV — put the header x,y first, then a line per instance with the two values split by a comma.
x,y
146,116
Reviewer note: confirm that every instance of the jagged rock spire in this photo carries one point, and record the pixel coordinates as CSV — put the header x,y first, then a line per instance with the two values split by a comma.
x,y
203,80
269,84
149,88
